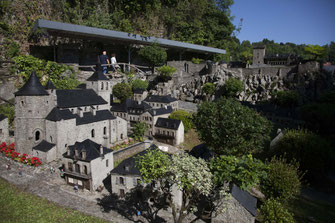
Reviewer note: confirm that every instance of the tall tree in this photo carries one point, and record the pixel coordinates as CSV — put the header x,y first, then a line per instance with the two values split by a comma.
x,y
230,128
316,52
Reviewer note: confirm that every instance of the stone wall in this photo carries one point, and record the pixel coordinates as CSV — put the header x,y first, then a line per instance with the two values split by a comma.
x,y
131,150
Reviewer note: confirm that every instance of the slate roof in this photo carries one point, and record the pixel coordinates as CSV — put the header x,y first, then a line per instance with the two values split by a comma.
x,y
160,98
98,75
139,91
245,199
168,123
160,111
49,85
44,146
2,117
78,97
88,117
92,150
32,87
129,105
127,166
57,114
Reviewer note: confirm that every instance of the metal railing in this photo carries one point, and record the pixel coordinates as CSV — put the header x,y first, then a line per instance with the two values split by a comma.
x,y
125,67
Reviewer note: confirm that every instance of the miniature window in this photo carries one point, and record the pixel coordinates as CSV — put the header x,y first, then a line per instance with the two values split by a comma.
x,y
85,169
106,86
77,167
102,85
121,193
121,180
106,163
105,130
37,135
22,103
121,136
70,166
50,138
92,133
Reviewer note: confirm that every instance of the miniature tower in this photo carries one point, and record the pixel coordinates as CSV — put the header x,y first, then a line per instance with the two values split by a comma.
x,y
32,105
100,84
258,55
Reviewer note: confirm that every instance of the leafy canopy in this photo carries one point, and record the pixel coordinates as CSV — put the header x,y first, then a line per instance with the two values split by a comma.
x,y
286,98
316,52
184,116
153,54
245,171
274,211
139,84
208,88
229,128
122,91
165,72
139,130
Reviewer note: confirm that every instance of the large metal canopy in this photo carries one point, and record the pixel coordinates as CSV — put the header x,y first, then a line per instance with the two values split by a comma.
x,y
78,31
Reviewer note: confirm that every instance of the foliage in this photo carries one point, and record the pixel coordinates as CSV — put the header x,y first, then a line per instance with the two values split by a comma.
x,y
273,211
139,130
165,72
316,52
9,111
184,116
196,60
230,128
11,48
245,171
232,87
139,84
311,151
62,76
286,98
283,180
246,56
19,206
153,165
122,91
153,54
320,115
209,88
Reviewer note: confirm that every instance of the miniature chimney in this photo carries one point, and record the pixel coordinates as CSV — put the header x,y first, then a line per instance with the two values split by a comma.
x,y
76,153
93,110
80,112
83,154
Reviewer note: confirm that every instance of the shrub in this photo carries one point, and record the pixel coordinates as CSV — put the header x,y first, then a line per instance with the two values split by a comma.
x,y
139,130
208,88
153,54
273,211
122,91
196,60
11,48
311,151
165,72
232,87
184,116
286,98
245,171
139,84
9,111
283,180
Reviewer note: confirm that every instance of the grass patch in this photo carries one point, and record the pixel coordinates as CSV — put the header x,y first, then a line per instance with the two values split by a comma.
x,y
18,206
191,139
304,209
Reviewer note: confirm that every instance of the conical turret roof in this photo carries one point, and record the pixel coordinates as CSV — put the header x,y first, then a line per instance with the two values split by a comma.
x,y
98,75
32,87
49,85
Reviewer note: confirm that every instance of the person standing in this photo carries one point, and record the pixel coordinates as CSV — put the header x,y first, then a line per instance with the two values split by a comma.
x,y
104,60
113,62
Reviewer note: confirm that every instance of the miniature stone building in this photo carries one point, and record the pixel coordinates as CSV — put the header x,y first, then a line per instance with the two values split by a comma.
x,y
4,131
159,101
63,117
87,164
170,131
139,94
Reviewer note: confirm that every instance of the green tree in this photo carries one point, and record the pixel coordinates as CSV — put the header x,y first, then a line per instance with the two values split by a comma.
x,y
139,84
165,73
139,130
273,211
122,91
313,153
208,89
286,98
232,87
315,52
8,110
230,128
184,116
246,56
154,55
245,171
283,180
